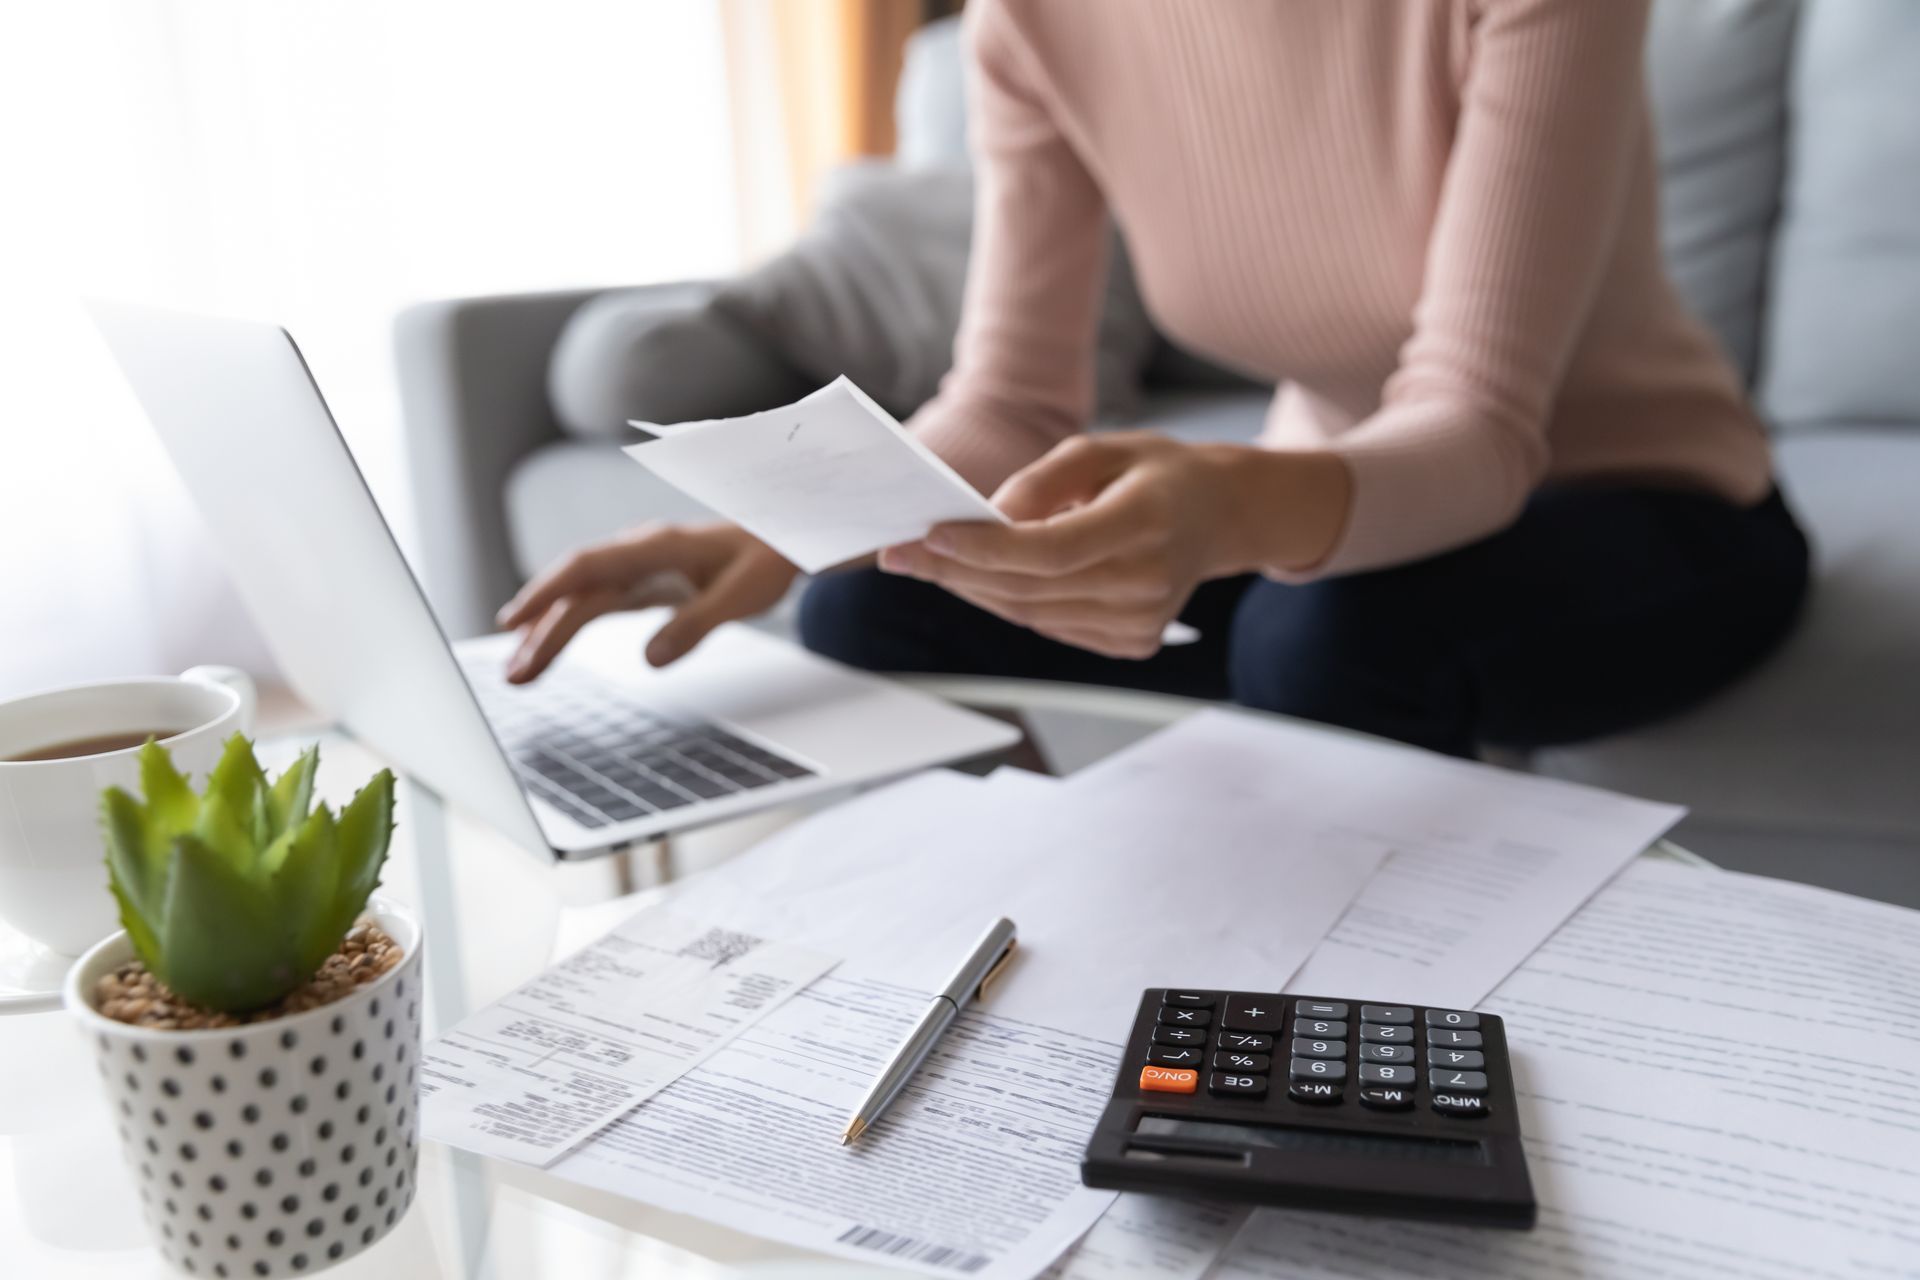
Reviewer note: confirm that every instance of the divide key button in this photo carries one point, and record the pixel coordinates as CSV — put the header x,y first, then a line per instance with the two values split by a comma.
x,y
1253,1013
1179,1035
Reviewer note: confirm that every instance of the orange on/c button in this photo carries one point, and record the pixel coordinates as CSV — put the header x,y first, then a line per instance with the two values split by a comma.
x,y
1169,1079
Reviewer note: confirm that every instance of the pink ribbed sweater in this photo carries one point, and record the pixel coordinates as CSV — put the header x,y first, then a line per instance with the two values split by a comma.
x,y
1431,221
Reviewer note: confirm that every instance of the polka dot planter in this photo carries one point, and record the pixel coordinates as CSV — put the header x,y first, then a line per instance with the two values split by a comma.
x,y
274,1149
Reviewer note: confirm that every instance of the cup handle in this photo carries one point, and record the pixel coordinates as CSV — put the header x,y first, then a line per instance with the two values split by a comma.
x,y
229,678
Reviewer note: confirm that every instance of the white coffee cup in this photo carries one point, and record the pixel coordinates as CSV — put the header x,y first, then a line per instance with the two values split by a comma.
x,y
53,874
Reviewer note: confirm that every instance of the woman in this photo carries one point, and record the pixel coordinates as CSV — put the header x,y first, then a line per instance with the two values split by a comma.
x,y
1509,491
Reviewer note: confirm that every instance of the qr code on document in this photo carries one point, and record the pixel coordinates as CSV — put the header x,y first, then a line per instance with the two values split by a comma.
x,y
721,946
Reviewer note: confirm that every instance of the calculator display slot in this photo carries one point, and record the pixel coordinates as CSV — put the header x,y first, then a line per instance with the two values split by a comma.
x,y
1221,1137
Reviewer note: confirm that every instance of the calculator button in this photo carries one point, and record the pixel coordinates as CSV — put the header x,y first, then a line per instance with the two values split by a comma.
x,y
1386,1053
1169,1080
1440,1039
1389,1035
1458,1059
1385,1099
1458,1081
1179,1035
1174,1016
1231,1084
1304,1048
1319,1009
1452,1018
1250,1041
1189,999
1395,1014
1465,1105
1316,1092
1243,1062
1163,1056
1385,1073
1253,1013
1319,1029
1316,1069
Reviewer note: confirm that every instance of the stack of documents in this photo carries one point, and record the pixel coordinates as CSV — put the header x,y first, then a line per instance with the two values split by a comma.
x,y
1226,852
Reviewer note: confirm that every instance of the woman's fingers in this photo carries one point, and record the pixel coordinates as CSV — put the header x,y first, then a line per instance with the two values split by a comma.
x,y
1069,474
1058,545
749,584
1114,580
549,635
608,565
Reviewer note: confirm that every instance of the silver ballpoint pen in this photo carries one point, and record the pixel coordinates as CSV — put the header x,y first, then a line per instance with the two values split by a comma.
x,y
982,965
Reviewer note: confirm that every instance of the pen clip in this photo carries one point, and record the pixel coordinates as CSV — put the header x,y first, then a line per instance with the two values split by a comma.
x,y
980,992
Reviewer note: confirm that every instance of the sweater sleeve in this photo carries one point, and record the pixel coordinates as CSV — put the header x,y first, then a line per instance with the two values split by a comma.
x,y
1551,123
1023,371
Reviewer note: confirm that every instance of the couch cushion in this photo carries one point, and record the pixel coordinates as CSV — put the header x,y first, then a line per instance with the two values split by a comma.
x,y
1844,304
1716,75
563,496
1824,734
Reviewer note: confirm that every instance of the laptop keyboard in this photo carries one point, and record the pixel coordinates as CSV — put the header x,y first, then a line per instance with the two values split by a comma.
x,y
593,752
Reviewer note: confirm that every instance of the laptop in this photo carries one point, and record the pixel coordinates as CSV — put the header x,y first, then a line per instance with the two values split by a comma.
x,y
603,750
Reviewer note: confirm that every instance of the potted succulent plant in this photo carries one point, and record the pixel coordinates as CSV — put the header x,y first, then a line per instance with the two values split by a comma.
x,y
257,1022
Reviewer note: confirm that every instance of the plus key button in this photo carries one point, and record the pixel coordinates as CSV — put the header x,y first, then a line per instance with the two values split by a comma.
x,y
1254,1013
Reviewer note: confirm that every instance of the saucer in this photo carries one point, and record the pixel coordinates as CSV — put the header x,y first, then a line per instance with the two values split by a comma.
x,y
30,974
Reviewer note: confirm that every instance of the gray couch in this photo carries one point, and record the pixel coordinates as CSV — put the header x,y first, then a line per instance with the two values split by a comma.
x,y
1790,147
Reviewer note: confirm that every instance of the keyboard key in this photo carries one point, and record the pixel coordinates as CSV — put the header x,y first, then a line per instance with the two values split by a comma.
x,y
1386,1053
1465,1105
1253,1013
1176,1017
1457,1059
1317,1093
1387,1035
1252,1042
1319,1009
1304,1048
1316,1069
1382,1098
1189,999
1245,1063
1161,1055
1392,1014
1458,1081
1179,1036
1452,1018
1227,1084
1320,1028
1169,1079
1440,1039
1386,1073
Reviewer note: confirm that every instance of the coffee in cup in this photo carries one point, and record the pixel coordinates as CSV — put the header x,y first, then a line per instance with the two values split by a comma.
x,y
58,751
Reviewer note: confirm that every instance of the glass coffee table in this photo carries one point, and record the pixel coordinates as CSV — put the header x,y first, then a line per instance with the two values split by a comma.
x,y
494,917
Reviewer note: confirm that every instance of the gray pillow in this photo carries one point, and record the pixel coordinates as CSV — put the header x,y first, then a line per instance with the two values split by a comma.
x,y
660,355
873,291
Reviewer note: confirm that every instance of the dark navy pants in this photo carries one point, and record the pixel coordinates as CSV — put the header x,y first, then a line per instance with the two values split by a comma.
x,y
1599,610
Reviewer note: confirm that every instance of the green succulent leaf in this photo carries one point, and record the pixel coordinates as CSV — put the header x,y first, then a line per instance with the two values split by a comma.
x,y
236,896
222,944
292,796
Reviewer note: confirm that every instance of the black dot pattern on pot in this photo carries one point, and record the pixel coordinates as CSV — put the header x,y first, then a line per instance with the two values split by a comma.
x,y
275,1154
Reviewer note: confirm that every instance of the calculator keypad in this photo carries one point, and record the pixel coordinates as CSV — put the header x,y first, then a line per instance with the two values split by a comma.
x,y
1398,1056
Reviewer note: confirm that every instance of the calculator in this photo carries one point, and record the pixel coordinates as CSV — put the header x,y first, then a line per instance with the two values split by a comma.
x,y
1390,1110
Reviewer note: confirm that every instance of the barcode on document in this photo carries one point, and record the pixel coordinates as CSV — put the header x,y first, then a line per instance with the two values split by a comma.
x,y
938,1255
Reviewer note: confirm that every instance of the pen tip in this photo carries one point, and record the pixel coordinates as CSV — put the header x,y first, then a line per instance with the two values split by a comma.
x,y
854,1130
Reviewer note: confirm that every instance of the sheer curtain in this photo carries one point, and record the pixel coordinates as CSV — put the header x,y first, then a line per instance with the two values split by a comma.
x,y
320,164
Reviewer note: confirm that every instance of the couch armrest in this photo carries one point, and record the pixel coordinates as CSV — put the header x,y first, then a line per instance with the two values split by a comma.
x,y
473,393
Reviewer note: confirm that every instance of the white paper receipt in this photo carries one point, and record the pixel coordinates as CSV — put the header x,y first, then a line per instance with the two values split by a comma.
x,y
530,1076
823,480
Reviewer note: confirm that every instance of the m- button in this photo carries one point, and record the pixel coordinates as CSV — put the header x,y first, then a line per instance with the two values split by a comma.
x,y
1254,1013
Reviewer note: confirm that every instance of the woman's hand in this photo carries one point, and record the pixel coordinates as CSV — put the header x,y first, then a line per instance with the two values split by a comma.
x,y
715,572
1112,534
